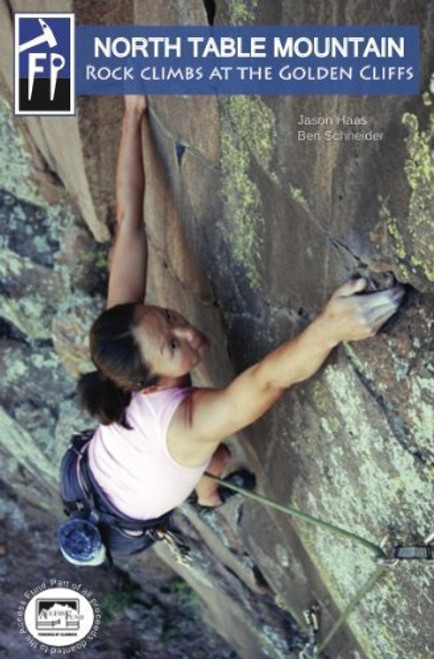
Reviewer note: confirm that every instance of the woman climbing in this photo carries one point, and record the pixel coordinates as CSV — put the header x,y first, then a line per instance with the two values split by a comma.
x,y
157,434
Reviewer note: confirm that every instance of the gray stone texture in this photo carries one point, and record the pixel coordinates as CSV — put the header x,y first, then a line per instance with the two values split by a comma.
x,y
250,231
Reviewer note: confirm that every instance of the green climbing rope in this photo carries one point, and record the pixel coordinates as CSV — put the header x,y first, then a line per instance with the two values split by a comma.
x,y
363,590
293,512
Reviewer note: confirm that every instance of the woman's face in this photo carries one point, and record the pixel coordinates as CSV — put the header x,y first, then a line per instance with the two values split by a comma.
x,y
169,344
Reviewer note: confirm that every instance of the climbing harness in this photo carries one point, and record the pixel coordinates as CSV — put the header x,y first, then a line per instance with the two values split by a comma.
x,y
386,555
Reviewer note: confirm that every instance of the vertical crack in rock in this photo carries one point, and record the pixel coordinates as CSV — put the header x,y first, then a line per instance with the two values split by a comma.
x,y
210,9
9,9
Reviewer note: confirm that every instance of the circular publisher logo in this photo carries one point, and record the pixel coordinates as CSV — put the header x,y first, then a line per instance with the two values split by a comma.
x,y
65,616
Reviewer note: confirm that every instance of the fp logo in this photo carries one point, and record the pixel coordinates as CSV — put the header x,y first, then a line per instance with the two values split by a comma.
x,y
44,64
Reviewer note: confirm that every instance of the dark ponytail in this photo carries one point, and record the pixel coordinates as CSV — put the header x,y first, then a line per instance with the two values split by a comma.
x,y
106,393
101,398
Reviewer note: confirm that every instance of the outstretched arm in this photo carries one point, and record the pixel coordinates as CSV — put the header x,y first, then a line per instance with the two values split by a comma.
x,y
127,280
207,416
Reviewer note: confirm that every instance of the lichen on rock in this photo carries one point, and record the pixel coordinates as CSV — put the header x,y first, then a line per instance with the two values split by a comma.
x,y
51,276
247,134
15,160
242,13
413,240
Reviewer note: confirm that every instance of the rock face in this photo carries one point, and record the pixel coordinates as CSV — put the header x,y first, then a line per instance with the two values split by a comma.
x,y
250,231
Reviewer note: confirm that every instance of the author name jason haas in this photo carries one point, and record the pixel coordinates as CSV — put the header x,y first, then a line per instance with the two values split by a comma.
x,y
342,120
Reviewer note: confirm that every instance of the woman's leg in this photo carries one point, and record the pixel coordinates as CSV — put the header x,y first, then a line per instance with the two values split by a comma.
x,y
206,489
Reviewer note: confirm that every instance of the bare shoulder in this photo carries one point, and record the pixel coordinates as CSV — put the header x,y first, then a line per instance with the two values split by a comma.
x,y
208,416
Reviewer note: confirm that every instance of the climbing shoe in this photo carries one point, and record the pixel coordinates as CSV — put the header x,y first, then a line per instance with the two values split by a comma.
x,y
241,478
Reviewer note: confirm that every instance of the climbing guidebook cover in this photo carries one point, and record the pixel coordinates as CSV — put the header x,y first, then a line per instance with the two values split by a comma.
x,y
275,151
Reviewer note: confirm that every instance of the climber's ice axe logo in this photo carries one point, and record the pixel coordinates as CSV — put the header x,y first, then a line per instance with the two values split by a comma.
x,y
44,64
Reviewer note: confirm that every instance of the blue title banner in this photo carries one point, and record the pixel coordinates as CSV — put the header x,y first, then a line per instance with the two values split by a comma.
x,y
371,60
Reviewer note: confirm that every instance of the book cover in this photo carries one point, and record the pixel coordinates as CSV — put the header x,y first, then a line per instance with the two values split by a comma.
x,y
290,148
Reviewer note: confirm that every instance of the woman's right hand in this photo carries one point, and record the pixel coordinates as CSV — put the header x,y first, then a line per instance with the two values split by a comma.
x,y
352,317
136,103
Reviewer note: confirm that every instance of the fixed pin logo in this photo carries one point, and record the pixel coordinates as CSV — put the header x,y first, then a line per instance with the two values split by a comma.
x,y
44,64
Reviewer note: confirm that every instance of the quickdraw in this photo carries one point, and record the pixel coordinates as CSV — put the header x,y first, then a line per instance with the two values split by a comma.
x,y
393,553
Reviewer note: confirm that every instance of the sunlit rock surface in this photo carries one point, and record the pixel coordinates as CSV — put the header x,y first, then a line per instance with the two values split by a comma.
x,y
249,231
